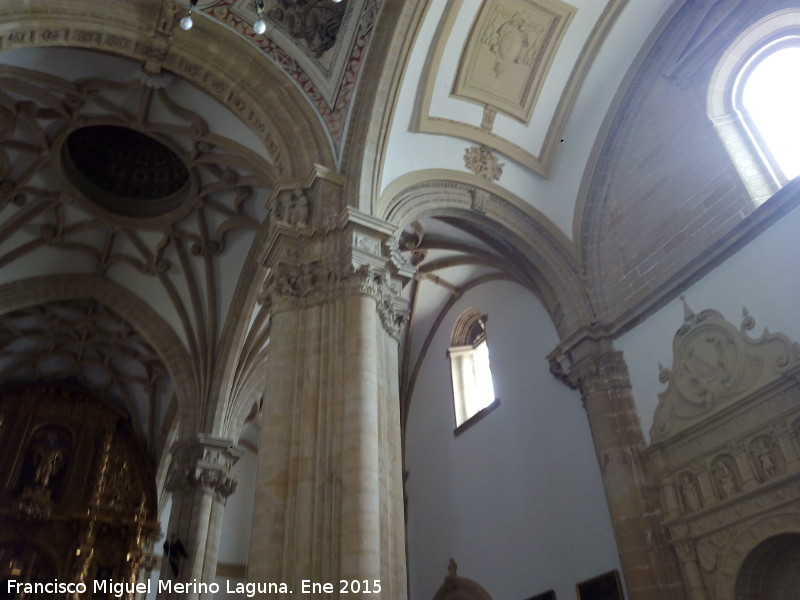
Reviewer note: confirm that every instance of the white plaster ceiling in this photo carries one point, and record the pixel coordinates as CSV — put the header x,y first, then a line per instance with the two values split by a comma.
x,y
554,195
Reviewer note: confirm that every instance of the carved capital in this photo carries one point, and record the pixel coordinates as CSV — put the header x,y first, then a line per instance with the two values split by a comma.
x,y
308,206
213,480
290,288
203,461
319,251
590,364
378,284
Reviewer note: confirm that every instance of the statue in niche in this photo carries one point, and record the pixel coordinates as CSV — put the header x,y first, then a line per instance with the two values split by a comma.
x,y
766,460
48,455
48,462
298,209
689,494
725,480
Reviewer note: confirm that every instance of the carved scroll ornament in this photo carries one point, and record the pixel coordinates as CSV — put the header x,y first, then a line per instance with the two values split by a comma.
x,y
715,365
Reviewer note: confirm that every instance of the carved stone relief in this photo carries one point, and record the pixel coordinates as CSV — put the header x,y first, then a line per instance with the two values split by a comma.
x,y
724,451
713,366
509,52
483,163
321,250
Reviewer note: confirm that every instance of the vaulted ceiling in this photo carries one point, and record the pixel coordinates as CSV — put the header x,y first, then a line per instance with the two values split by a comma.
x,y
445,117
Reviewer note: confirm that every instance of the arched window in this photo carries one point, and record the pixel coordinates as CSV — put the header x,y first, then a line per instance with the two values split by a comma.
x,y
473,389
769,102
752,101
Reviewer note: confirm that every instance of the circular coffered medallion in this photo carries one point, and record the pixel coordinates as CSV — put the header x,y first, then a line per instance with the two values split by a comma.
x,y
126,173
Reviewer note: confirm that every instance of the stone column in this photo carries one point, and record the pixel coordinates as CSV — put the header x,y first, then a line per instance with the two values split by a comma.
x,y
600,373
200,482
329,496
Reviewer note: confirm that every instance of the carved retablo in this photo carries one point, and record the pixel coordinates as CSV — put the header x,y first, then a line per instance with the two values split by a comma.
x,y
726,451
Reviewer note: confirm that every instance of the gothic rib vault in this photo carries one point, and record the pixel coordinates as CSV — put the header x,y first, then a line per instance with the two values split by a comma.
x,y
289,220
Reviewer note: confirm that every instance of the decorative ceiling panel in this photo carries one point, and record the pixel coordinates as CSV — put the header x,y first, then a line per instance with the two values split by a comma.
x,y
505,67
509,52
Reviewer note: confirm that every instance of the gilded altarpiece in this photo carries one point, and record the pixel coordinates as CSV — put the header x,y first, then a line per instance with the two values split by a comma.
x,y
77,493
725,455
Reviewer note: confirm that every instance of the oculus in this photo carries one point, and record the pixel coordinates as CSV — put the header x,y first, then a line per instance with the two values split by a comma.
x,y
125,172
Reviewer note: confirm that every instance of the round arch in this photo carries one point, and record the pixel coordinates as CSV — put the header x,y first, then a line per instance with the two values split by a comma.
x,y
239,77
550,257
733,127
740,550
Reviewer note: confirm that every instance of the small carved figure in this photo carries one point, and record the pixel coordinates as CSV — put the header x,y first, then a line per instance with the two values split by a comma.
x,y
298,209
48,462
280,209
691,499
725,480
766,461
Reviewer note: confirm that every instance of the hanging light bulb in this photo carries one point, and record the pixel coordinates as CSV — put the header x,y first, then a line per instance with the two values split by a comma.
x,y
260,26
186,22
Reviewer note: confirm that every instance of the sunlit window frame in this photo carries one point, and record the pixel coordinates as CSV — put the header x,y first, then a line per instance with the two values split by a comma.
x,y
751,156
462,354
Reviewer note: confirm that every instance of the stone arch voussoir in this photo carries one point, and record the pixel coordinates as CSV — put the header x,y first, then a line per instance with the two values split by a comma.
x,y
738,551
550,254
